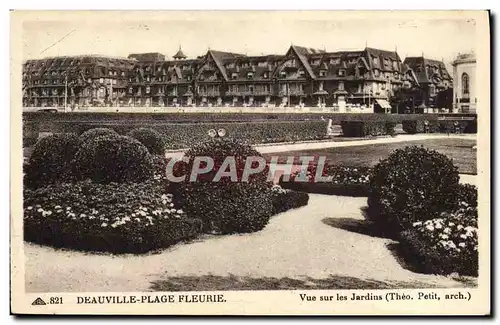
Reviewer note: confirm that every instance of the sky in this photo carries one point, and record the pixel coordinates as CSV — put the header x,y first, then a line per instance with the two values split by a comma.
x,y
439,37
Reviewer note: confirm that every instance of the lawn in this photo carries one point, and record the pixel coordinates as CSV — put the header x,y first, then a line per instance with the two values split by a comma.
x,y
460,150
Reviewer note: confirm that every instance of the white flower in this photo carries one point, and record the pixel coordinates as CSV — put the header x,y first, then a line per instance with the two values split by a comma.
x,y
429,227
30,207
459,227
142,213
438,226
164,201
180,211
461,244
57,207
447,230
114,225
418,223
171,205
444,236
68,208
463,236
173,210
39,210
137,219
451,224
82,215
104,224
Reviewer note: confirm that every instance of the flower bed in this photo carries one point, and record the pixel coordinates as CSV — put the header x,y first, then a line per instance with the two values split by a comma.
x,y
444,245
116,218
342,180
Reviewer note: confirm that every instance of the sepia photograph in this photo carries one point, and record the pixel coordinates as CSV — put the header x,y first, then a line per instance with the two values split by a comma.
x,y
250,162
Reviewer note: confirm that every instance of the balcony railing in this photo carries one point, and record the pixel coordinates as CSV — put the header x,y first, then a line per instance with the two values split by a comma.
x,y
249,93
211,93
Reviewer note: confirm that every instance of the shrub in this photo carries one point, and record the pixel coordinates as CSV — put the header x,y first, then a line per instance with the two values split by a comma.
x,y
150,138
116,218
113,158
188,134
444,245
466,194
226,206
364,128
284,200
412,184
390,128
96,132
51,159
448,126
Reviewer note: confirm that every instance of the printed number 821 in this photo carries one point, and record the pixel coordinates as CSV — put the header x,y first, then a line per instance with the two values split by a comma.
x,y
55,300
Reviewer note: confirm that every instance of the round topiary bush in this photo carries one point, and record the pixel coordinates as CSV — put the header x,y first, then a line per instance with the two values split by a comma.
x,y
50,160
412,184
97,132
152,139
112,158
228,205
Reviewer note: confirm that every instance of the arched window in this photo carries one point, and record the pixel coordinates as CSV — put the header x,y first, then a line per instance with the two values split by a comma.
x,y
465,83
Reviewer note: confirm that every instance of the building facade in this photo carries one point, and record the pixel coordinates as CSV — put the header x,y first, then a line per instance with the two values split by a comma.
x,y
433,88
363,80
464,85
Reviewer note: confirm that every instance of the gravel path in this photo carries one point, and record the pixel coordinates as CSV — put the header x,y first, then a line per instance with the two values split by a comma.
x,y
308,241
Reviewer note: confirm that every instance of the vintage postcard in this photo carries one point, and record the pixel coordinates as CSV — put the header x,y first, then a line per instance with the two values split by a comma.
x,y
250,162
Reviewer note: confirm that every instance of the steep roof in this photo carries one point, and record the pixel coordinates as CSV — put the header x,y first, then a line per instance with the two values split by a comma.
x,y
425,68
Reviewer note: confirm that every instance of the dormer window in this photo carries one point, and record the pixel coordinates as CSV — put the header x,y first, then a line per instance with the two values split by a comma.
x,y
341,72
302,73
266,75
395,65
250,75
262,64
234,75
375,60
282,74
188,78
148,90
375,72
123,73
315,61
110,73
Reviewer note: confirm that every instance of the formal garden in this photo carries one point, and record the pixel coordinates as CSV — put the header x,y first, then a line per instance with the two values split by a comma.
x,y
102,191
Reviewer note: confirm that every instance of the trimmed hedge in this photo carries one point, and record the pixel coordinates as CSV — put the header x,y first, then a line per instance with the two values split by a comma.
x,y
115,218
179,117
112,158
448,126
51,160
284,200
366,128
150,138
186,135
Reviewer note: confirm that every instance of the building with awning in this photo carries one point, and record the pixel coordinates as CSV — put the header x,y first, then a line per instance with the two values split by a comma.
x,y
385,107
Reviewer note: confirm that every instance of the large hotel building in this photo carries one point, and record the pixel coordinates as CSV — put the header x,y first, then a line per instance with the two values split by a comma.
x,y
344,80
